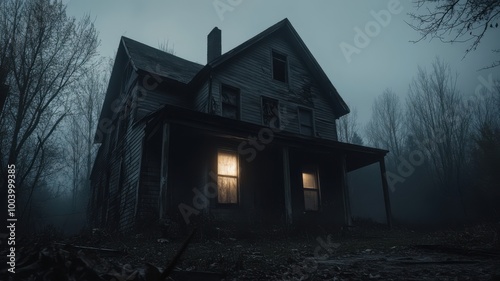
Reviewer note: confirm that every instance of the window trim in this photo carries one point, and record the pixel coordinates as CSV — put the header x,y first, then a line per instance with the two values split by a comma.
x,y
222,86
287,68
262,98
315,171
238,199
313,125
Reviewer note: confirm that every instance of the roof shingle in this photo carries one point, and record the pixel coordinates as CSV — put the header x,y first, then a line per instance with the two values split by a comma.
x,y
159,62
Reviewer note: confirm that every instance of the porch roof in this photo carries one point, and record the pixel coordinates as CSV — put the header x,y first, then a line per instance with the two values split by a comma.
x,y
357,156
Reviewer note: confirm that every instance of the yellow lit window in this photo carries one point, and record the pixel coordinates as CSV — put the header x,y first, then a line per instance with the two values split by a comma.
x,y
227,177
311,191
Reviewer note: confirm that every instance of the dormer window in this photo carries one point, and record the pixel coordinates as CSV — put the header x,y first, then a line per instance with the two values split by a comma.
x,y
280,67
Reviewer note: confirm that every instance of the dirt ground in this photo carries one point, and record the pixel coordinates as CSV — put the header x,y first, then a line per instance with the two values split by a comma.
x,y
367,252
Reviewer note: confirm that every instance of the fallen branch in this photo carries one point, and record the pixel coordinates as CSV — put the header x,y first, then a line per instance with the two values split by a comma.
x,y
174,260
105,250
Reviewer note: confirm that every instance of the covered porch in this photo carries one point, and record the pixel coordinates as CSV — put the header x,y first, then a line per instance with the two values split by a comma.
x,y
244,173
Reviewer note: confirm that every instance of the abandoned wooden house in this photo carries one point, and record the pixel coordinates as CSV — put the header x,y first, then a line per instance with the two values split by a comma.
x,y
250,137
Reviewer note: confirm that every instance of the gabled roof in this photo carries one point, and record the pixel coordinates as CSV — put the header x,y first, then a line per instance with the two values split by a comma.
x,y
150,60
155,61
286,27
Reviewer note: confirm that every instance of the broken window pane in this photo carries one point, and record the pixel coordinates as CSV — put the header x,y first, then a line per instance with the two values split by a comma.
x,y
230,102
270,112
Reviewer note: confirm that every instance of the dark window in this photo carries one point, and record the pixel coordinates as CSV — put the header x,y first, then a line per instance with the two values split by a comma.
x,y
279,67
270,113
230,102
306,122
311,190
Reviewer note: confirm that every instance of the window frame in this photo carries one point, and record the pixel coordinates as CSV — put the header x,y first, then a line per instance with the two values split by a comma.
x,y
287,70
313,125
314,170
237,177
238,102
262,98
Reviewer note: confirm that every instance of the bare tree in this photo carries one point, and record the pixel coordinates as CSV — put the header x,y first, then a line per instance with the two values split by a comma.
x,y
485,153
386,128
454,21
87,100
165,46
347,128
439,125
48,52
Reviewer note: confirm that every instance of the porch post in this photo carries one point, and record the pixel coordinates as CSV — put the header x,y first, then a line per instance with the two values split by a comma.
x,y
164,169
286,183
385,187
345,189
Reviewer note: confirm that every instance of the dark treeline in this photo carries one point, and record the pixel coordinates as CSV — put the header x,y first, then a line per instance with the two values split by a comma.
x,y
47,106
443,164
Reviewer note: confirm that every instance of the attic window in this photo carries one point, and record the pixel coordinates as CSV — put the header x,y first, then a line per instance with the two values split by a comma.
x,y
280,67
311,190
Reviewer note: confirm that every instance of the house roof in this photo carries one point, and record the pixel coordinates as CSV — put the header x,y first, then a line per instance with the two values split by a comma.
x,y
152,60
286,27
155,61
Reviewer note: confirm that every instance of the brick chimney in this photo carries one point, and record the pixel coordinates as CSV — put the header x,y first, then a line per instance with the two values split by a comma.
x,y
214,45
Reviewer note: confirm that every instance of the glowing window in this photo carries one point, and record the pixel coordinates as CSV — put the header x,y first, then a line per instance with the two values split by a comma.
x,y
227,177
311,191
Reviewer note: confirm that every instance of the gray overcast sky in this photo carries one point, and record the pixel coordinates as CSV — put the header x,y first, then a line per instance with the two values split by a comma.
x,y
389,60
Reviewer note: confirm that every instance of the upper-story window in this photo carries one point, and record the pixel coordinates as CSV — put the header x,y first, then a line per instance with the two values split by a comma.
x,y
270,112
306,124
230,102
280,67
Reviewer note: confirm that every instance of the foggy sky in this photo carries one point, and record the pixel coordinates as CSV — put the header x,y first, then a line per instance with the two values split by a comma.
x,y
389,60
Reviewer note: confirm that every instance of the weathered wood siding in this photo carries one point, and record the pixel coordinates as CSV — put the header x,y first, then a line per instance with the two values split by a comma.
x,y
147,208
150,100
252,74
200,99
131,164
